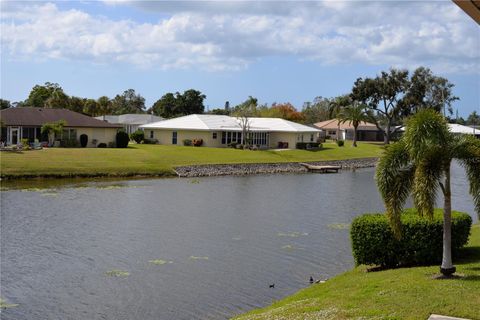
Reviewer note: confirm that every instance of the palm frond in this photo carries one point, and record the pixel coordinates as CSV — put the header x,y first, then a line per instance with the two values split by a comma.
x,y
467,151
394,177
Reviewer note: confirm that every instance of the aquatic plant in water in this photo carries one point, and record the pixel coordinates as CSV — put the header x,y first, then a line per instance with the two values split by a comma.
x,y
4,304
292,234
117,273
198,258
339,226
159,262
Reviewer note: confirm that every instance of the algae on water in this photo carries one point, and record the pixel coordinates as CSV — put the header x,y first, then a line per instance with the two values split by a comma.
x,y
198,258
339,226
117,273
4,304
292,234
159,262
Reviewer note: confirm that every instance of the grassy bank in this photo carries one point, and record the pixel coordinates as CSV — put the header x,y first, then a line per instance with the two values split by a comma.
x,y
157,159
408,293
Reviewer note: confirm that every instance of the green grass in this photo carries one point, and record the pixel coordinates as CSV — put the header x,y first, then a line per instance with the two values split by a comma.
x,y
139,159
406,293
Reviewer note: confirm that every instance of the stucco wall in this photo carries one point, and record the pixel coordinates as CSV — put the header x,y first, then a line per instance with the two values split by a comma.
x,y
291,137
102,135
165,137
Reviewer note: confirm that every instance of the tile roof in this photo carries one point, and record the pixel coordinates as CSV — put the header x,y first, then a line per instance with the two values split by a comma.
x,y
208,122
332,124
39,116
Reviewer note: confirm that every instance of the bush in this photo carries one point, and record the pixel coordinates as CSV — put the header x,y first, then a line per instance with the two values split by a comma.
x,y
197,142
187,142
83,140
111,144
122,139
373,242
232,144
137,136
69,143
308,145
150,141
102,145
340,143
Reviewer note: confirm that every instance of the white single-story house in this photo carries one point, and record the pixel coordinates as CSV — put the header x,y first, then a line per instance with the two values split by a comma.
x,y
365,132
130,121
221,130
458,129
26,123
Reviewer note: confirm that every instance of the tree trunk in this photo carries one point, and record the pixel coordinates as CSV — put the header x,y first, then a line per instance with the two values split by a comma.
x,y
354,136
447,267
386,134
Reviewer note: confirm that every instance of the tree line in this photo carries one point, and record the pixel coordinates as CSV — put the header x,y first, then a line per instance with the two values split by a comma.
x,y
384,100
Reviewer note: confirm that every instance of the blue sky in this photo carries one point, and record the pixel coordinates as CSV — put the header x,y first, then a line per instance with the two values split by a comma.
x,y
277,51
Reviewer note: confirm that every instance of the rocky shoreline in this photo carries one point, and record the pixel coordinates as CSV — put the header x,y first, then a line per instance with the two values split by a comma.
x,y
266,168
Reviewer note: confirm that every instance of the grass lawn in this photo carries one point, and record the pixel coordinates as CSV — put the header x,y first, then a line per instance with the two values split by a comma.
x,y
159,159
407,293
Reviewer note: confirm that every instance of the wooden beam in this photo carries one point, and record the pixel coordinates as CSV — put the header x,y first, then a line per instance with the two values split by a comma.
x,y
471,7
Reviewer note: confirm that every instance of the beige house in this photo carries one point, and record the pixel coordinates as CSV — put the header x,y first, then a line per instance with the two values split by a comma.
x,y
26,123
365,132
221,131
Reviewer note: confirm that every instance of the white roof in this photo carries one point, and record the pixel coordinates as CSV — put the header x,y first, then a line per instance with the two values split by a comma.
x,y
130,118
209,122
458,128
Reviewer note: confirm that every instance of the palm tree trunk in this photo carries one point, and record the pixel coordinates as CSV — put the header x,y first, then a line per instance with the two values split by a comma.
x,y
447,268
354,136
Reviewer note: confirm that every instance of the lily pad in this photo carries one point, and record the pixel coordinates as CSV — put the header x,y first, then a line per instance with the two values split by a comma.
x,y
198,258
339,226
5,305
159,262
117,273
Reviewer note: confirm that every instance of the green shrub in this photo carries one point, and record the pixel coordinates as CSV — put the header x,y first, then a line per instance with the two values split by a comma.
x,y
137,136
340,143
150,141
373,242
111,144
233,145
102,145
83,140
308,145
69,143
187,142
122,139
197,142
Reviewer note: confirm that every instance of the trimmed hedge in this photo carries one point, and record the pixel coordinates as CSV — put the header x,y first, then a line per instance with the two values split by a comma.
x,y
373,242
137,136
308,145
340,143
122,139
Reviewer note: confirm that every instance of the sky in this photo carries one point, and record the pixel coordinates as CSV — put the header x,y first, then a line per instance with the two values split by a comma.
x,y
276,51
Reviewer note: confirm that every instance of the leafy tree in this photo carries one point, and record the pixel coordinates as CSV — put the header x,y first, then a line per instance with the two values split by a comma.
x,y
104,105
473,119
52,129
165,106
219,111
137,136
335,108
90,107
382,95
419,164
190,102
244,112
354,114
428,91
76,104
316,111
5,104
128,102
50,95
283,110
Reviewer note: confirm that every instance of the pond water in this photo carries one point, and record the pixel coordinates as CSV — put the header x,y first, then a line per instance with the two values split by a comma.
x,y
204,248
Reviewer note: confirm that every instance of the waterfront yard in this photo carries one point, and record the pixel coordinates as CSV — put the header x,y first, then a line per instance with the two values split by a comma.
x,y
406,293
140,159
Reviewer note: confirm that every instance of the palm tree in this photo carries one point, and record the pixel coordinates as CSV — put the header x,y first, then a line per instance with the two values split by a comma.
x,y
335,108
354,114
419,164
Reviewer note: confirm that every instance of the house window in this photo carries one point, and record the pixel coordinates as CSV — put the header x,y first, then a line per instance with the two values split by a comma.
x,y
214,135
311,137
151,134
174,137
332,133
224,137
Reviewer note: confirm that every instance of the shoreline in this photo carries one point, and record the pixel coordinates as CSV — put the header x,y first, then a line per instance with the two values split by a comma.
x,y
204,170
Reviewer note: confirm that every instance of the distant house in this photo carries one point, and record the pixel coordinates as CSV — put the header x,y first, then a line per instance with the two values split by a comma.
x,y
130,121
461,129
220,131
365,132
26,123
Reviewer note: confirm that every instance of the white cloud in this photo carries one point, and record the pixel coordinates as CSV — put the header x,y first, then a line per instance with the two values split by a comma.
x,y
435,34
